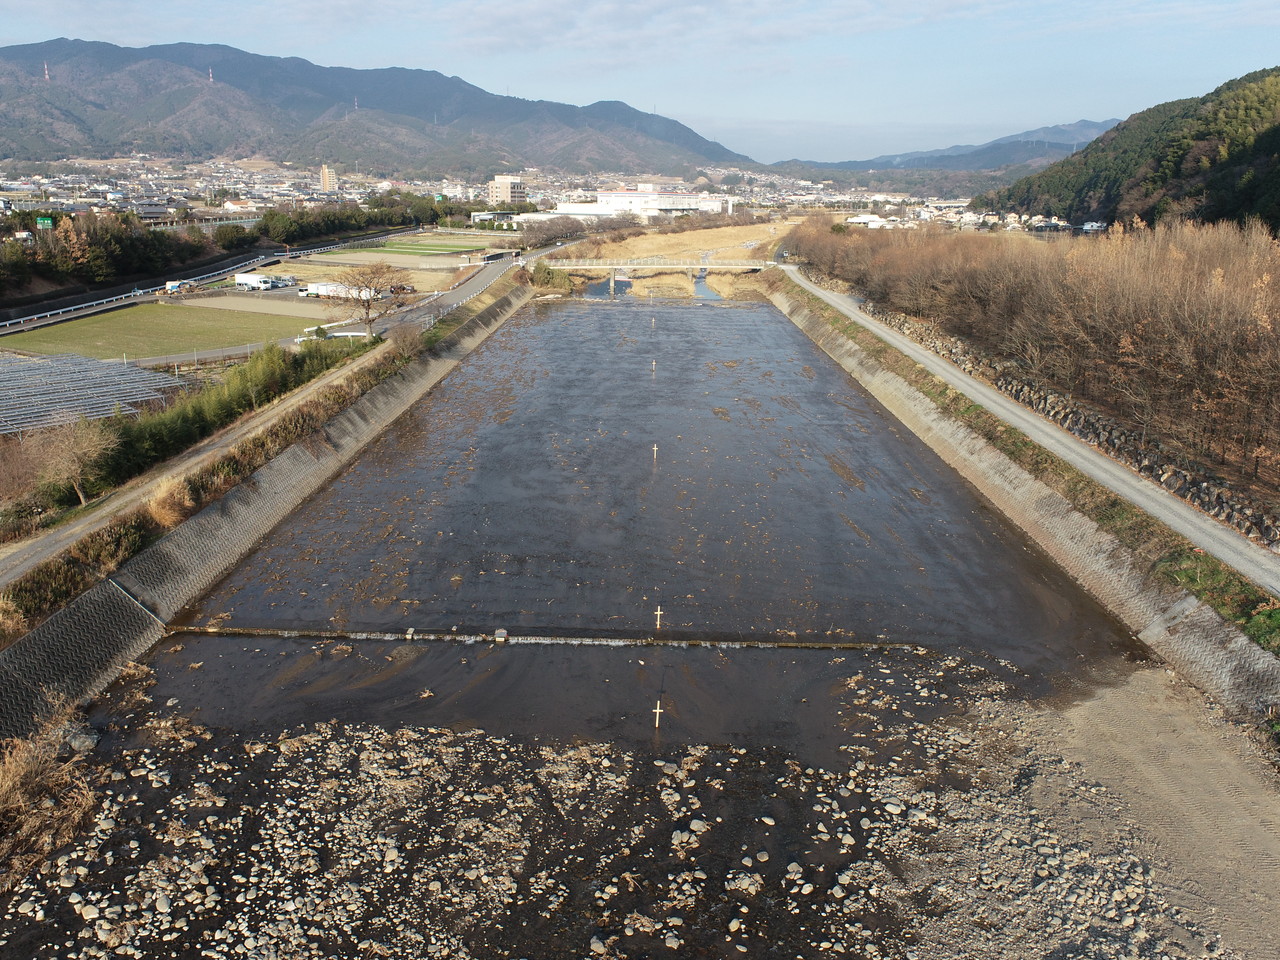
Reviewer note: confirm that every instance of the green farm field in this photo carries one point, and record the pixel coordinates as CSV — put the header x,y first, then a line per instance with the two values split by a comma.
x,y
155,330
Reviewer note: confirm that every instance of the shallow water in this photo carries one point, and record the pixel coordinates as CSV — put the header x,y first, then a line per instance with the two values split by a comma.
x,y
595,461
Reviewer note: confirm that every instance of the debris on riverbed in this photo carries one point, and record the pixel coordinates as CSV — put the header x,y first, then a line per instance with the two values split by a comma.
x,y
345,839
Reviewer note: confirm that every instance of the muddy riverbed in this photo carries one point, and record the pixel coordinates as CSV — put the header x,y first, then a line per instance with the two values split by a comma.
x,y
980,763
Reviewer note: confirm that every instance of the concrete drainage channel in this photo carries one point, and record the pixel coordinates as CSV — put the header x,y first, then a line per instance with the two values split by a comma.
x,y
1205,649
77,652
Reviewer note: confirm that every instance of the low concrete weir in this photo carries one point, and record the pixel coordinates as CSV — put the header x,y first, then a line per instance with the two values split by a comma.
x,y
667,640
79,650
1205,649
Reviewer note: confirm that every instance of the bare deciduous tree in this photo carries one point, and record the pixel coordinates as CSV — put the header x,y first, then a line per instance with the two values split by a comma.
x,y
406,339
374,291
17,468
66,453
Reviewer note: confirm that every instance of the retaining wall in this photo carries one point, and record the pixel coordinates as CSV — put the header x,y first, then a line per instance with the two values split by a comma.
x,y
1205,649
79,650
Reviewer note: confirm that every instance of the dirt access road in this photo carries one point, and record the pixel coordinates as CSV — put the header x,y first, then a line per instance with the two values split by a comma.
x,y
1247,558
1192,790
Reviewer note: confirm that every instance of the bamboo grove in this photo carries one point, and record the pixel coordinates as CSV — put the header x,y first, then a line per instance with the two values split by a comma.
x,y
1172,328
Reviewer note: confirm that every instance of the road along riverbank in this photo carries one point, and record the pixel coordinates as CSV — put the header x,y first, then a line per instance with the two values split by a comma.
x,y
80,649
1205,649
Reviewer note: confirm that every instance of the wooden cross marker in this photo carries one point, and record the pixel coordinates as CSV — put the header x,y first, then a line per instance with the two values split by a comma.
x,y
659,614
655,453
657,715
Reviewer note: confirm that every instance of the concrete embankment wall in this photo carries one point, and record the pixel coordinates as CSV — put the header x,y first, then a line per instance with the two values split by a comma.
x,y
79,650
1205,649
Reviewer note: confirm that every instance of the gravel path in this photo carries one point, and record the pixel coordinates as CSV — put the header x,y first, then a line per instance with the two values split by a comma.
x,y
1258,564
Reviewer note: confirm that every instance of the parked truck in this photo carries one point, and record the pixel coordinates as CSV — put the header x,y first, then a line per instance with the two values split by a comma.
x,y
339,291
178,286
252,281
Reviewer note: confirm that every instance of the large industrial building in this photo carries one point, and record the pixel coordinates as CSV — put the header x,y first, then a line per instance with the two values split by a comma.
x,y
647,204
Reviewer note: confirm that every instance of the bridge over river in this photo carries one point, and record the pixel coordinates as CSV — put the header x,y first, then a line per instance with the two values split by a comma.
x,y
658,263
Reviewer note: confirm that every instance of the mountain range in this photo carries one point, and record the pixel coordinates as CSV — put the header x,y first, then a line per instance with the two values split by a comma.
x,y
1215,157
1034,147
83,98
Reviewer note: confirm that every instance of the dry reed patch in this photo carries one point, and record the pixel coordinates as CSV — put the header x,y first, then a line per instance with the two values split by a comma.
x,y
13,623
45,799
737,286
172,503
662,285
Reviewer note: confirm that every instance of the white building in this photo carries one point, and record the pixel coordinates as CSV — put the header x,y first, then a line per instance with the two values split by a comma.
x,y
507,189
647,204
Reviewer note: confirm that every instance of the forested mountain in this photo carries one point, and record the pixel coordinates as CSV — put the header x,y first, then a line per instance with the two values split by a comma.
x,y
1216,157
103,100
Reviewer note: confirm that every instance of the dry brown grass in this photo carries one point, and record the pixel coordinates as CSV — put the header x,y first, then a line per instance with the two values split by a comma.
x,y
180,731
662,285
44,799
136,679
722,243
416,272
12,622
737,286
172,503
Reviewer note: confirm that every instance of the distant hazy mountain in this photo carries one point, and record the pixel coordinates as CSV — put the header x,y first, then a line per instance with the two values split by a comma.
x,y
1214,157
103,100
1035,147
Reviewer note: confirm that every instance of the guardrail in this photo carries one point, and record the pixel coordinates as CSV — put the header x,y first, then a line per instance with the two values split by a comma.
x,y
137,292
147,291
671,263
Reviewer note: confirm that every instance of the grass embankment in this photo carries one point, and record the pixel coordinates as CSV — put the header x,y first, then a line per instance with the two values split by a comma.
x,y
473,307
51,585
1169,556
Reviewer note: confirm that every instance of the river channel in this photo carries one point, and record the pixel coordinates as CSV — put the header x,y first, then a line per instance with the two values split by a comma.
x,y
596,460
819,747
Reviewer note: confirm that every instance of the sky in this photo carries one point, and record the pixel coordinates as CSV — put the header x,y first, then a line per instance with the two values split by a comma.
x,y
824,80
